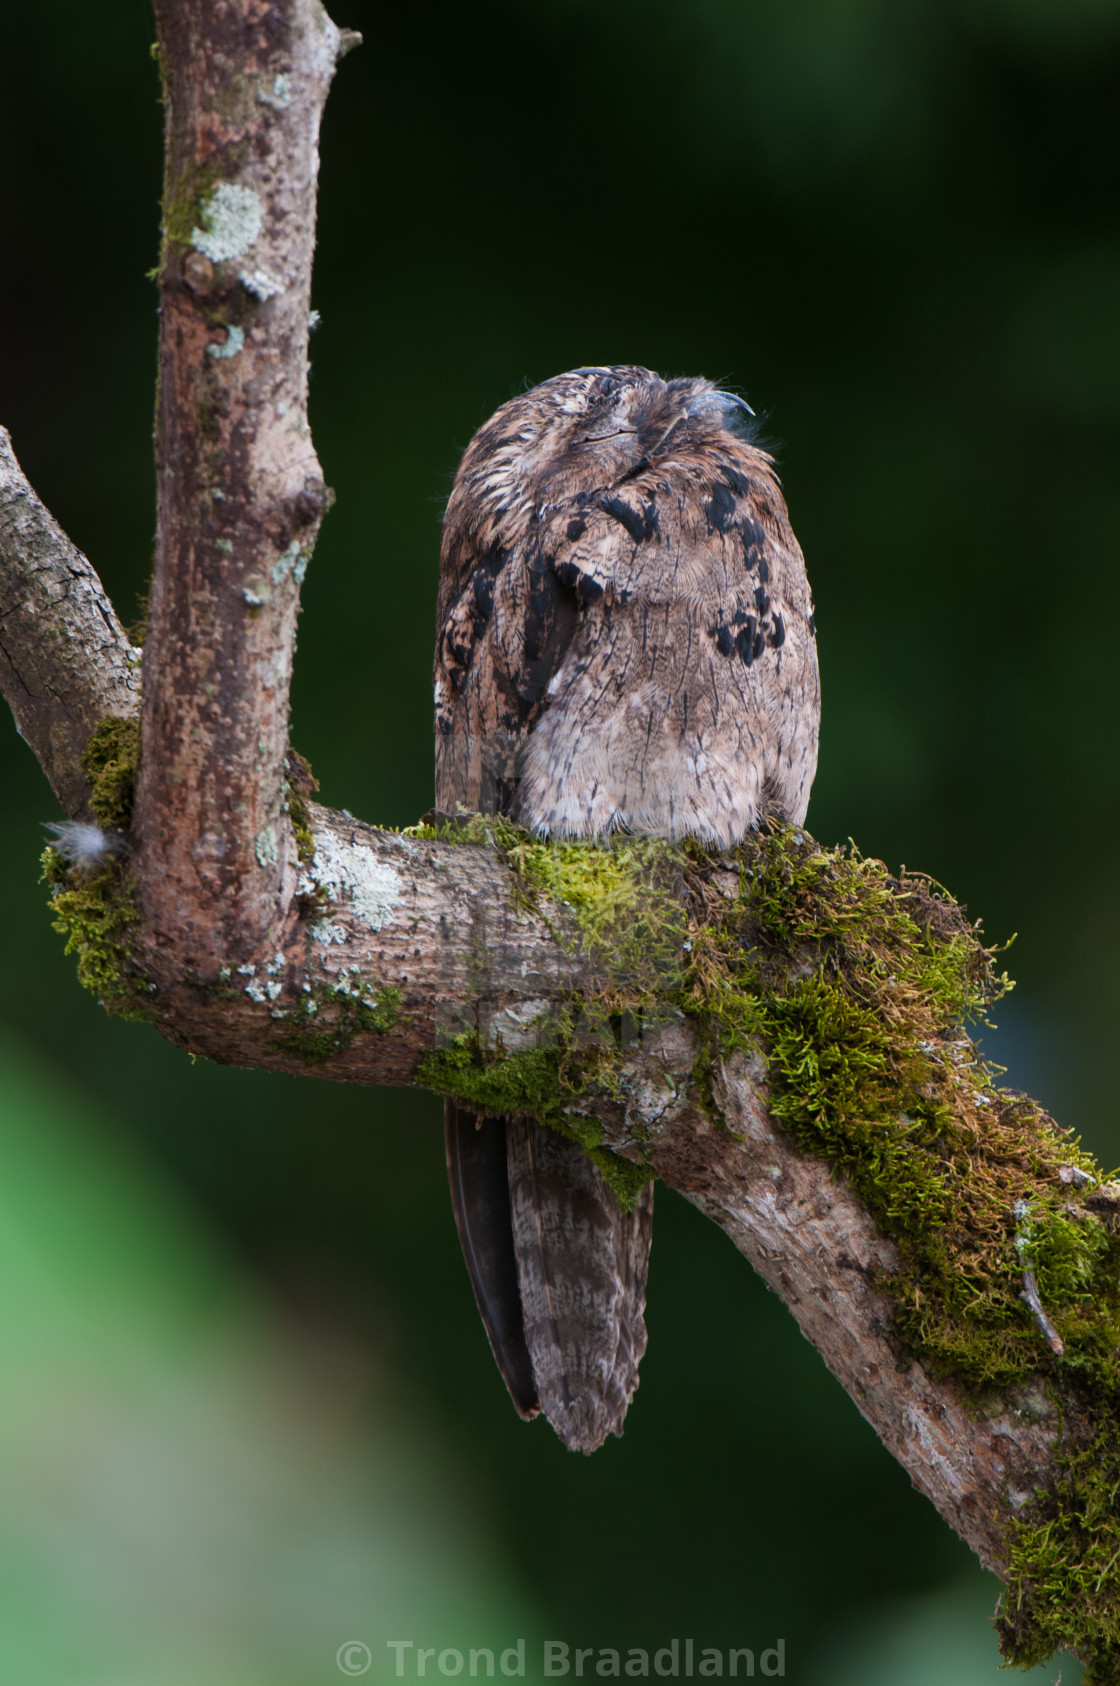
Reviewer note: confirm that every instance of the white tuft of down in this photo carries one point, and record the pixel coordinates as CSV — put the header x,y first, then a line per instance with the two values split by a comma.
x,y
84,846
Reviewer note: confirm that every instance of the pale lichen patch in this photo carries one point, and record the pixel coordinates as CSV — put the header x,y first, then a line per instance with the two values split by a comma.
x,y
254,989
232,218
326,933
291,561
234,341
280,95
261,284
265,847
350,875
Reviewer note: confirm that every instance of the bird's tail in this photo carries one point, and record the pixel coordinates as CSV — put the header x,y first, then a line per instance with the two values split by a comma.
x,y
558,1269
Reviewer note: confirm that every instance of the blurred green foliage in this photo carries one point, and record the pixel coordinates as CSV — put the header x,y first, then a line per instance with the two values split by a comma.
x,y
195,1493
892,226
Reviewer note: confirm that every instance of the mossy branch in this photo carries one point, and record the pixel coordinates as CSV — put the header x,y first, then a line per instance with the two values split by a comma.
x,y
781,1034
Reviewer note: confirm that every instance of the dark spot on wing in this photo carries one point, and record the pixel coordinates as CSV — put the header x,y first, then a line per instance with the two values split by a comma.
x,y
483,576
483,586
725,642
812,627
641,524
738,481
720,508
542,603
471,613
577,528
754,546
745,642
587,589
502,796
761,601
552,613
777,633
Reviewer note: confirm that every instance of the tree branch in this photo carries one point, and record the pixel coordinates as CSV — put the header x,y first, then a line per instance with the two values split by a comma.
x,y
65,660
239,491
797,1069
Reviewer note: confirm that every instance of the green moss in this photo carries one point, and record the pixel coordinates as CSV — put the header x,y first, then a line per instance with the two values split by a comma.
x,y
327,1021
1063,1571
622,1176
543,1083
109,761
626,899
487,830
98,915
704,1089
301,786
138,629
183,207
627,902
97,911
530,1082
860,988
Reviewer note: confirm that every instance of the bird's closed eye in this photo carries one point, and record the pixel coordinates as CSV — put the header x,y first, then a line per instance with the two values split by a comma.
x,y
594,438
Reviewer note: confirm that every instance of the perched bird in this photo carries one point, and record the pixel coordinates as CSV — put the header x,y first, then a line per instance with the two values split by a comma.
x,y
624,641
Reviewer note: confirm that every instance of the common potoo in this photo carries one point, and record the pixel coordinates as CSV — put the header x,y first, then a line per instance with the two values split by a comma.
x,y
625,641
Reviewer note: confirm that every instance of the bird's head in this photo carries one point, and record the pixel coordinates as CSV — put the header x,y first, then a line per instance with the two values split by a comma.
x,y
585,431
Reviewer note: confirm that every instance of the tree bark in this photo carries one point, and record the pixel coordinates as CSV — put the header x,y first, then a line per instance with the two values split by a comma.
x,y
239,490
65,660
264,943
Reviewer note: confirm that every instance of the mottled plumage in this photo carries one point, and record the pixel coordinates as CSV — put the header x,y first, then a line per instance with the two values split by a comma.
x,y
625,640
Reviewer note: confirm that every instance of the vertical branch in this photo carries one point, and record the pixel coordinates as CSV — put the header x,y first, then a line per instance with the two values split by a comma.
x,y
240,494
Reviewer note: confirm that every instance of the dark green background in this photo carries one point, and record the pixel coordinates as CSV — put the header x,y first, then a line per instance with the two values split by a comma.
x,y
893,227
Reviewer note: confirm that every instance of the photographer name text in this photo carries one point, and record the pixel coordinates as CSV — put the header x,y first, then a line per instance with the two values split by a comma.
x,y
680,1659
